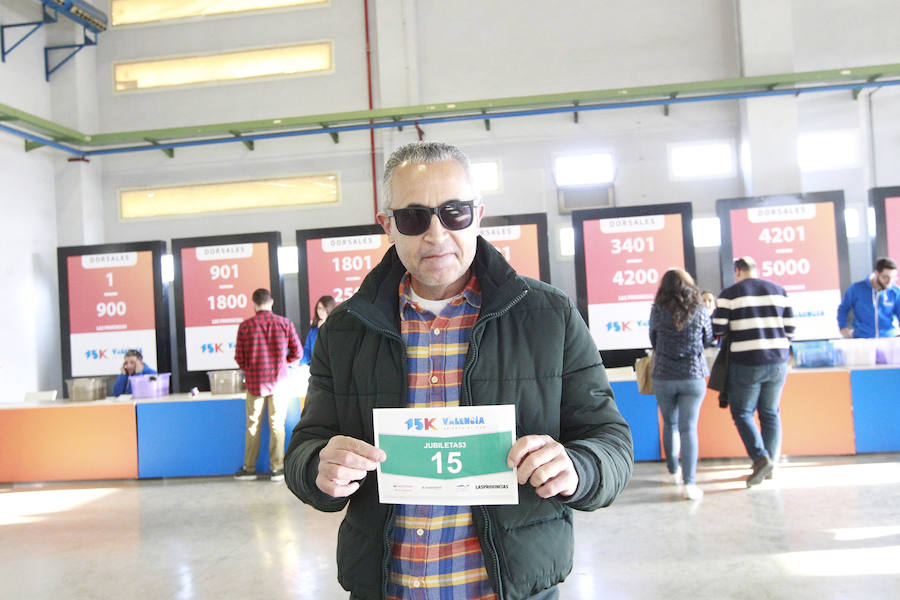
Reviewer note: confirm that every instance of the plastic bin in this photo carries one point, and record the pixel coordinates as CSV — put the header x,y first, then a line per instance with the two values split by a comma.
x,y
86,389
887,351
808,355
226,382
855,352
151,385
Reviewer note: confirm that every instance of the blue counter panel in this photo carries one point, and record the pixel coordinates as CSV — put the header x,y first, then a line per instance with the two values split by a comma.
x,y
199,437
876,409
642,416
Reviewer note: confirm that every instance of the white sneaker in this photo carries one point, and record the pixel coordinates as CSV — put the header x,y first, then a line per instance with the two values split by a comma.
x,y
691,492
674,478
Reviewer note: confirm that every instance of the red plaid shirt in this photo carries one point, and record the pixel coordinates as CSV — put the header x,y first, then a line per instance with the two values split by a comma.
x,y
436,552
266,343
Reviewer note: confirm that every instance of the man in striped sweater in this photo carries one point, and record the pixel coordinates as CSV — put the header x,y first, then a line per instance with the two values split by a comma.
x,y
756,316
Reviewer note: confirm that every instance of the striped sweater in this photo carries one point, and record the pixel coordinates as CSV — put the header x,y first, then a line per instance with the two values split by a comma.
x,y
756,314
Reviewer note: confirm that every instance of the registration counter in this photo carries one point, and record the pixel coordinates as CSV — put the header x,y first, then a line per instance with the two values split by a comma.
x,y
824,412
182,436
171,436
59,441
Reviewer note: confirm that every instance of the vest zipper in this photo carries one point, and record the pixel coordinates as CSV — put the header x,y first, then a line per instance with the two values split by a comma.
x,y
494,566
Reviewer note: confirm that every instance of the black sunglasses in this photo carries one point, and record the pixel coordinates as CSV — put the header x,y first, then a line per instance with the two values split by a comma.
x,y
415,220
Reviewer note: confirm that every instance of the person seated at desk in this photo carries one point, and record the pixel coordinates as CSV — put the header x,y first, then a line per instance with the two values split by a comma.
x,y
133,365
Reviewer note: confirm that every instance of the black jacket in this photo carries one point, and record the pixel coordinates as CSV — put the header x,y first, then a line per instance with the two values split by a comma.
x,y
529,347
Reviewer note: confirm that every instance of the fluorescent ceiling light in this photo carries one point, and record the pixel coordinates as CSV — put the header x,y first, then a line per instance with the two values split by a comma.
x,y
584,169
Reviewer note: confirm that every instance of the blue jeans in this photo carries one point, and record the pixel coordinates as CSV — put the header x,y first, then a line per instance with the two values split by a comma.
x,y
753,388
679,402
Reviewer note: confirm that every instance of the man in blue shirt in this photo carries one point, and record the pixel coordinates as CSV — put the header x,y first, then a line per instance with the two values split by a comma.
x,y
133,365
875,295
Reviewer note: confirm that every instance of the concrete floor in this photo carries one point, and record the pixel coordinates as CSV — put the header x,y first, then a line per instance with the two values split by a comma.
x,y
826,527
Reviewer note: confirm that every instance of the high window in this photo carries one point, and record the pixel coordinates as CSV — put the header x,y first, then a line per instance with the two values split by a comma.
x,y
230,66
228,196
129,12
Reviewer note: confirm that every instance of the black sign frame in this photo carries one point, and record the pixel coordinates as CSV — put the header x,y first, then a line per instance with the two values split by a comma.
x,y
199,379
157,248
626,357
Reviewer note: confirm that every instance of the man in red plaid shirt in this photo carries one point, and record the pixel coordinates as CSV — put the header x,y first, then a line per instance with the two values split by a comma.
x,y
266,343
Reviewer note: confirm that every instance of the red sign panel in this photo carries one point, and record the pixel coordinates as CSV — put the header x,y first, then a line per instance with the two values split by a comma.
x,y
111,292
892,225
626,256
219,282
336,266
519,246
793,245
111,310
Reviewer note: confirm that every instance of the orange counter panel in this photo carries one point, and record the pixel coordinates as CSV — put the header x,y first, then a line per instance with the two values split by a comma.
x,y
816,418
58,443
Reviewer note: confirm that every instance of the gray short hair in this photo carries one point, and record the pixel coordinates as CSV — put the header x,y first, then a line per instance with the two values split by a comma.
x,y
422,153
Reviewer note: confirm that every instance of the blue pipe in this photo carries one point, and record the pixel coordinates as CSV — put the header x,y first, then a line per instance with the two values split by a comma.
x,y
459,118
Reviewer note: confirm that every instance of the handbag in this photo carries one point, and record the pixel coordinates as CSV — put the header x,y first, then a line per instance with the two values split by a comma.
x,y
643,369
718,375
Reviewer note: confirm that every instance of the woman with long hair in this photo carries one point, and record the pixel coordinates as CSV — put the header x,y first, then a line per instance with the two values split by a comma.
x,y
680,327
324,306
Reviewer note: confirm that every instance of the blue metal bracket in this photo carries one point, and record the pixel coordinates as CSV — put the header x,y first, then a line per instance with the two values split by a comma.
x,y
46,17
72,50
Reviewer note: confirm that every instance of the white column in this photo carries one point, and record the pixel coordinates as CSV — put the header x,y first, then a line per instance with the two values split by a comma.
x,y
769,124
395,64
79,198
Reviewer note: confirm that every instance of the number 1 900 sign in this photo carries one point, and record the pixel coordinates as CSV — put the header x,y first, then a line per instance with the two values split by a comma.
x,y
218,283
111,310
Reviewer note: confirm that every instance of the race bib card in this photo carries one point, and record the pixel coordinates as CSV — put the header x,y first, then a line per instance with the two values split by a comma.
x,y
446,456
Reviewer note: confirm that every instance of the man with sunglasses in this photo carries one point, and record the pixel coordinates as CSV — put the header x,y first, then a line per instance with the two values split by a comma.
x,y
444,320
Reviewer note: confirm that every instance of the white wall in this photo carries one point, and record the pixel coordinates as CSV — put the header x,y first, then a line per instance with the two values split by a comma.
x,y
29,310
832,34
29,313
344,90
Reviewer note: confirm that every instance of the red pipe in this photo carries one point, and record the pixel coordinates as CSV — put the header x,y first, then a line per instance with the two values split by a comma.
x,y
371,131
